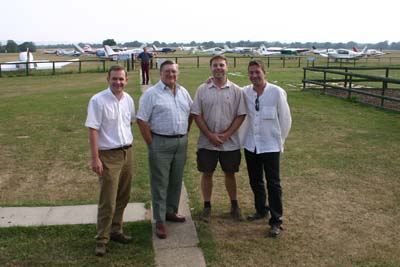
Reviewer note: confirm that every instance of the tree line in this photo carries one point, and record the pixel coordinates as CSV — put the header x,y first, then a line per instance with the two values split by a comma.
x,y
13,47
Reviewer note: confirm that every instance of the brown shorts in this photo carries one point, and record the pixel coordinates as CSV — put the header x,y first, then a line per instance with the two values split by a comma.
x,y
207,160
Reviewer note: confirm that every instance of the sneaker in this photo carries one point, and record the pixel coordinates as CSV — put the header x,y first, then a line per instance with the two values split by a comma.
x,y
236,214
121,238
100,249
275,231
256,216
206,215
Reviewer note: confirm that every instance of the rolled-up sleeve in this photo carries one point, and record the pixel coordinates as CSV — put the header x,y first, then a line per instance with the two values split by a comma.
x,y
94,114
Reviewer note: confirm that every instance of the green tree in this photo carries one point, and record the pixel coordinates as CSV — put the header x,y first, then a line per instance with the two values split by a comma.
x,y
11,47
109,42
22,47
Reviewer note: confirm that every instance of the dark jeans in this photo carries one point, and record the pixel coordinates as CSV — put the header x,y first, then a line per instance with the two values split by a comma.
x,y
145,72
269,163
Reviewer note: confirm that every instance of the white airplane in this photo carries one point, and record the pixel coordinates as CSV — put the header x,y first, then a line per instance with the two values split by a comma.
x,y
344,54
63,52
189,49
372,52
87,50
239,50
273,51
211,51
122,55
27,57
322,51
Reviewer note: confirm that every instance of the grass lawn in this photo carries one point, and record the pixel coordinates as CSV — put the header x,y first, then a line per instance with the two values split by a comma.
x,y
340,176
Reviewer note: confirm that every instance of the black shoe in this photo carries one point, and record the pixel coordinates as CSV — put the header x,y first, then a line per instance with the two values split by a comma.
x,y
256,216
206,215
275,230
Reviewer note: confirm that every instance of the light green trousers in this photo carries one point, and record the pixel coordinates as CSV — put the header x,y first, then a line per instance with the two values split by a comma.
x,y
115,189
167,158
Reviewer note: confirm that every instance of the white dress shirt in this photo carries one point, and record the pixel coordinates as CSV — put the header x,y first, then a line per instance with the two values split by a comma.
x,y
267,128
166,113
112,118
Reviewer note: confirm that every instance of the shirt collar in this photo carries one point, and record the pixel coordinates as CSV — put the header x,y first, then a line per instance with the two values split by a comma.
x,y
226,85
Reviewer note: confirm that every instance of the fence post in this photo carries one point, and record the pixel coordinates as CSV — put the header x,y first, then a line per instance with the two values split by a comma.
x,y
350,85
345,77
80,67
283,62
384,87
104,65
54,68
299,62
268,62
198,62
387,72
304,78
324,82
234,62
0,71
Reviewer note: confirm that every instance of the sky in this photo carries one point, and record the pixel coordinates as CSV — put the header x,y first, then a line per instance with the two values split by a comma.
x,y
183,21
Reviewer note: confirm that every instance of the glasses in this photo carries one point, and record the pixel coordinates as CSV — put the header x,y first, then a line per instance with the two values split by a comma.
x,y
257,104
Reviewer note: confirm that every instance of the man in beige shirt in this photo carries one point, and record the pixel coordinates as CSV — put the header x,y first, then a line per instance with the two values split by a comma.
x,y
219,109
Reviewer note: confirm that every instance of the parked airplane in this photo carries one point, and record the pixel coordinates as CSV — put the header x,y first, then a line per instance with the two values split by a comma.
x,y
27,57
322,51
344,54
87,50
211,51
121,55
162,49
239,50
271,51
190,49
371,52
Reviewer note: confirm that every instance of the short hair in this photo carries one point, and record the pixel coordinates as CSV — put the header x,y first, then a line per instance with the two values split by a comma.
x,y
117,68
219,57
166,62
258,63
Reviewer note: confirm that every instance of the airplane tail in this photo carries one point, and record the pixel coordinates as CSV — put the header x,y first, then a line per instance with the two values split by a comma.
x,y
226,47
109,51
364,50
154,47
355,49
78,48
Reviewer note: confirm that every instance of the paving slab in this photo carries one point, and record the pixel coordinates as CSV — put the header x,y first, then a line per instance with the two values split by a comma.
x,y
60,215
180,247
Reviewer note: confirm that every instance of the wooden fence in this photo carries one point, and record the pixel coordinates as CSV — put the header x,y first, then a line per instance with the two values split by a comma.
x,y
380,91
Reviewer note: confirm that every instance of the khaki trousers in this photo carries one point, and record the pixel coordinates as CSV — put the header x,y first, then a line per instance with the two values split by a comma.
x,y
115,189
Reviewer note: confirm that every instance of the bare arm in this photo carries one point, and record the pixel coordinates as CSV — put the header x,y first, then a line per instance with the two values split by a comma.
x,y
96,164
145,131
213,137
191,117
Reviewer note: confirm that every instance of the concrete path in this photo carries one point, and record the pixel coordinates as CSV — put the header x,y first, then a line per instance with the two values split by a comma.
x,y
60,215
179,249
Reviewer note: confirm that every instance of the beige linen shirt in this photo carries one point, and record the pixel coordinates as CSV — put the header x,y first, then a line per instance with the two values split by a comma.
x,y
219,107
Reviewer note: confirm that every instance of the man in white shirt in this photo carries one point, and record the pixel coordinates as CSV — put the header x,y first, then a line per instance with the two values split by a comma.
x,y
109,119
269,123
164,121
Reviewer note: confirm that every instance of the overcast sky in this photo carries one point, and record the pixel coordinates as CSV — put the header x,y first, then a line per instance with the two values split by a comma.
x,y
92,21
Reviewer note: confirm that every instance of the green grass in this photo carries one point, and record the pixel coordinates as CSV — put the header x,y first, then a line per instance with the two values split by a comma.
x,y
72,246
339,176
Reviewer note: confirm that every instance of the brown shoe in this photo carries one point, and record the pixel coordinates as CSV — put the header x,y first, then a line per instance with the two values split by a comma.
x,y
121,238
161,231
100,249
175,217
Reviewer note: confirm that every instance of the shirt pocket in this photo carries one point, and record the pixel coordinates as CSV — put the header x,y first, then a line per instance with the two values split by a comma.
x,y
268,113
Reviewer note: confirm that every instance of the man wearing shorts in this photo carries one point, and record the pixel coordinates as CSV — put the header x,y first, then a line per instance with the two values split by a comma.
x,y
219,109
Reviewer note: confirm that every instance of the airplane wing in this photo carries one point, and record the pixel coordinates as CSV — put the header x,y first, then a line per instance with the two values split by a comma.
x,y
49,65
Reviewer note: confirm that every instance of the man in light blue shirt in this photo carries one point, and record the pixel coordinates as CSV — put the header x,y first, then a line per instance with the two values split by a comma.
x,y
164,121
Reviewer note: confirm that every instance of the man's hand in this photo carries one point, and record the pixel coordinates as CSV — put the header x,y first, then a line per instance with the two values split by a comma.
x,y
215,139
97,166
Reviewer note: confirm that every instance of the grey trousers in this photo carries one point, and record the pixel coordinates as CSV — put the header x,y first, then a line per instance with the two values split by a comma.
x,y
167,158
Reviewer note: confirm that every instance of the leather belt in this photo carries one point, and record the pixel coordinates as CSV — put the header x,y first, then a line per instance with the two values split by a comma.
x,y
121,148
170,136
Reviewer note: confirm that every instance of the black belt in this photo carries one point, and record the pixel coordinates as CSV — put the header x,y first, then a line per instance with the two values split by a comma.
x,y
170,136
121,148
